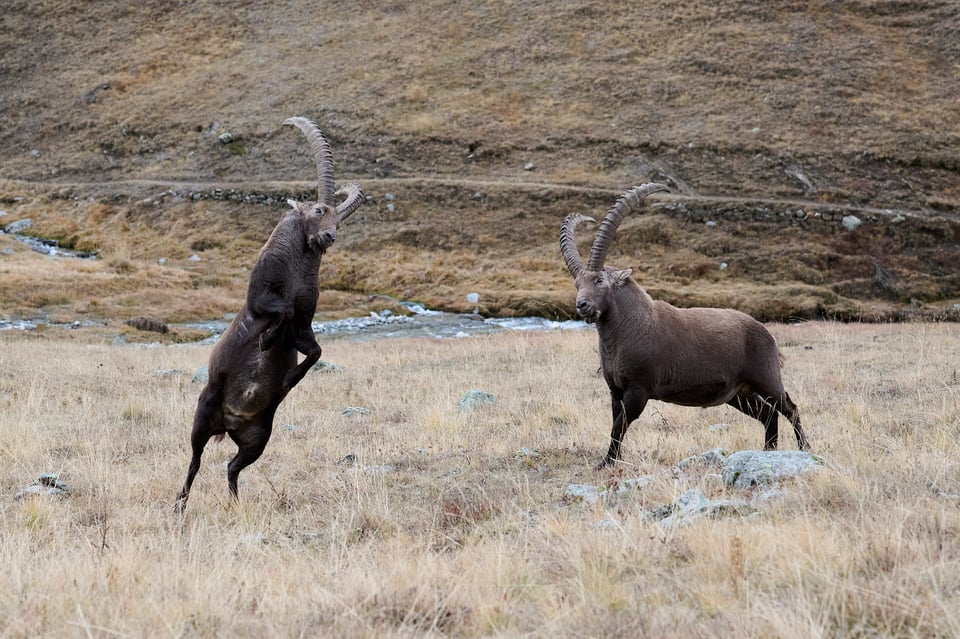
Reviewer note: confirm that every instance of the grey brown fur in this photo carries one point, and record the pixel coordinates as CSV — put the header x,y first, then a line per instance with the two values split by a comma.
x,y
652,350
254,364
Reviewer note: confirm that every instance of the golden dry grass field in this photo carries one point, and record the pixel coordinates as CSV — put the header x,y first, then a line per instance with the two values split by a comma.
x,y
440,528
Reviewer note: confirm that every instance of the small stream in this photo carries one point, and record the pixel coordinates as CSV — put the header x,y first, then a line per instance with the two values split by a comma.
x,y
52,247
421,322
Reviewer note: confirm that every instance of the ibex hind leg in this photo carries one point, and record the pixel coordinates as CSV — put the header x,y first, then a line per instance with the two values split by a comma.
x,y
207,422
250,441
789,410
755,406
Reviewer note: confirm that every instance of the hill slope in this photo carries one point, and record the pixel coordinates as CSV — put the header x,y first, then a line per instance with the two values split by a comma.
x,y
485,123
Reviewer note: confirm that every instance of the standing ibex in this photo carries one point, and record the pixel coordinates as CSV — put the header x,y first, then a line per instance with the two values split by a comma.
x,y
254,364
652,350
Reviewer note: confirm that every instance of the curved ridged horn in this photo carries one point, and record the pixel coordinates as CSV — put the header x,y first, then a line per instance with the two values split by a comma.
x,y
321,155
568,243
352,202
626,203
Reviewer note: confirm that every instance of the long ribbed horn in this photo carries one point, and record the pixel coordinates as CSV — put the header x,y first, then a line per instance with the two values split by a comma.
x,y
321,155
626,203
352,202
568,243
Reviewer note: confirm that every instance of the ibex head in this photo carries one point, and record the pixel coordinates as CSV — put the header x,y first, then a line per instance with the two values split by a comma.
x,y
595,282
322,218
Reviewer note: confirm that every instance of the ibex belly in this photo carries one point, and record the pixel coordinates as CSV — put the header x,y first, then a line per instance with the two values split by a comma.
x,y
698,394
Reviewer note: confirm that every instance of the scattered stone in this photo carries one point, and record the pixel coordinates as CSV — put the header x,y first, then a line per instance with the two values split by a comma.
x,y
347,460
581,493
326,367
194,258
474,399
715,428
710,224
91,95
202,375
292,428
749,468
694,505
19,226
7,251
225,138
355,411
796,173
527,453
851,222
712,457
46,484
162,261
898,219
723,266
529,166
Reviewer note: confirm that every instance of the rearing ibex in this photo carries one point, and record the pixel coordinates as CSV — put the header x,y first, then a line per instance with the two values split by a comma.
x,y
254,364
652,350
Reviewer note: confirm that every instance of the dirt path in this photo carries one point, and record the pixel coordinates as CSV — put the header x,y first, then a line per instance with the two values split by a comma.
x,y
383,185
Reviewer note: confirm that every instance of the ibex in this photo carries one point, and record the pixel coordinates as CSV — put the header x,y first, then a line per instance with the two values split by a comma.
x,y
652,350
254,364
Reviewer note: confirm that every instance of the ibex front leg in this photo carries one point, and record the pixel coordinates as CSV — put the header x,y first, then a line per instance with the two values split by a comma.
x,y
306,344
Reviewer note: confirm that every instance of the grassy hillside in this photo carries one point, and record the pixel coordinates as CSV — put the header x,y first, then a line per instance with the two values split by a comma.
x,y
442,529
486,123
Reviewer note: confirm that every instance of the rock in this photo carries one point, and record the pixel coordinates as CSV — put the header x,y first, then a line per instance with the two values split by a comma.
x,y
529,166
7,251
194,258
712,457
19,226
474,399
202,375
851,222
326,367
347,460
527,453
581,493
225,138
749,468
355,411
46,484
694,505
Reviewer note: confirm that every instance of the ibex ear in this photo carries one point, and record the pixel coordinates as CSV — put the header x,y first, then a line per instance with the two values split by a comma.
x,y
619,277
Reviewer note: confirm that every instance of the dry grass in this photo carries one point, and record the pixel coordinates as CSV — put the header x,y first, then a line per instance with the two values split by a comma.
x,y
440,529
